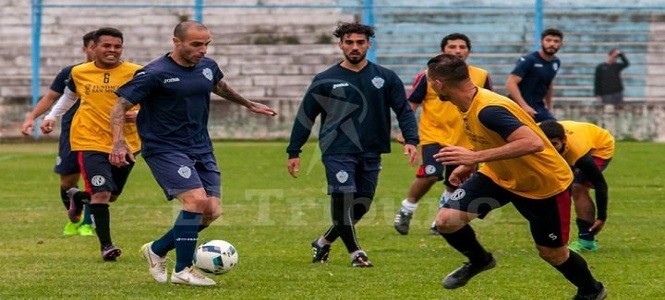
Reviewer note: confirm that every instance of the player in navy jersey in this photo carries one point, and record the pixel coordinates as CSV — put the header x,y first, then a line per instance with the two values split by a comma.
x,y
173,92
530,82
66,164
354,99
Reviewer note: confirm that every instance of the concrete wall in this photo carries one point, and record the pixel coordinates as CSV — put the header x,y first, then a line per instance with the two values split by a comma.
x,y
270,54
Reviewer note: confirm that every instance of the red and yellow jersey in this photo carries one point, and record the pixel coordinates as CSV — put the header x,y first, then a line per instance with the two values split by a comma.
x,y
536,176
439,121
95,87
582,138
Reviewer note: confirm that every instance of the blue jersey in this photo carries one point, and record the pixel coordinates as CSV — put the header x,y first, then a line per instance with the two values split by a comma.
x,y
355,111
175,104
537,75
58,85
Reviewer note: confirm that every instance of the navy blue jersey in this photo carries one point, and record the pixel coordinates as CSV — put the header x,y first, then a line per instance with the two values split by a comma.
x,y
175,104
355,111
537,75
499,120
58,85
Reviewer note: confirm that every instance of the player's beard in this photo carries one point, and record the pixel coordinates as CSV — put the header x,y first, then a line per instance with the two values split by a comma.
x,y
550,50
357,59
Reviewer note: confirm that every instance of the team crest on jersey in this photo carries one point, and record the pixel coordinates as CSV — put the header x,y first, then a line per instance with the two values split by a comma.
x,y
430,169
458,194
185,172
555,66
97,180
378,82
342,176
207,73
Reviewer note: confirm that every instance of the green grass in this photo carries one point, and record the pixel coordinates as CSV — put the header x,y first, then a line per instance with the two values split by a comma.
x,y
271,219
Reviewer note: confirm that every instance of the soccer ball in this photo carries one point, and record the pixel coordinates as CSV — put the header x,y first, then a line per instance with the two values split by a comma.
x,y
216,256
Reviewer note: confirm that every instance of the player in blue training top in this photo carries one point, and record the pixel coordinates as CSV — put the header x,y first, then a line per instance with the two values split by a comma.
x,y
530,83
66,163
174,95
354,99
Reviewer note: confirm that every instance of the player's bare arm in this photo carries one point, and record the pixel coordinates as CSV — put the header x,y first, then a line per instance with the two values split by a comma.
x,y
514,92
548,97
224,90
521,142
119,155
42,106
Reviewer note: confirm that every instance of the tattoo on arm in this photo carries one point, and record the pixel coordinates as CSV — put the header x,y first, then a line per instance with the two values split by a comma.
x,y
225,91
118,118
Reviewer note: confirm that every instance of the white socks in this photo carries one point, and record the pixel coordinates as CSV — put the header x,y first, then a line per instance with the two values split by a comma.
x,y
409,207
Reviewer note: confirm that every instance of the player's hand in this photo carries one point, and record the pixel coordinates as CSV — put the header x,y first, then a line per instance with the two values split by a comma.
x,y
529,110
597,226
400,138
293,166
412,152
120,156
130,116
461,174
455,155
47,126
28,126
262,109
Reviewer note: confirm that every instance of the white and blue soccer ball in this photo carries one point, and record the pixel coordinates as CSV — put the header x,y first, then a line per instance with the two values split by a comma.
x,y
216,256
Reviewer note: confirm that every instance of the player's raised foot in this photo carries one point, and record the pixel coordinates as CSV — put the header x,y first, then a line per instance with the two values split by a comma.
x,y
361,261
320,253
156,263
583,245
599,295
110,253
463,274
71,228
402,221
75,209
191,276
86,230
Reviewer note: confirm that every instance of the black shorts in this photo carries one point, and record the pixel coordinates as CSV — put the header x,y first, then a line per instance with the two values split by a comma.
x,y
430,167
549,219
66,162
100,175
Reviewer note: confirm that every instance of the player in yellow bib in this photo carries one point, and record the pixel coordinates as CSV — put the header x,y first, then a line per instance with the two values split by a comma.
x,y
440,125
519,166
94,83
588,149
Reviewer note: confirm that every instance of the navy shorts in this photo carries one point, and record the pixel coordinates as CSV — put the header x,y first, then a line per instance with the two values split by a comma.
x,y
67,161
100,175
178,172
431,168
549,219
581,178
542,114
352,173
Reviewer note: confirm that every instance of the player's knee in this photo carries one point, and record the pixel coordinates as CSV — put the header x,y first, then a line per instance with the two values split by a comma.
x,y
554,256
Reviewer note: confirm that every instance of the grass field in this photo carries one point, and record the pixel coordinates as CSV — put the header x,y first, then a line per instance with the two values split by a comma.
x,y
271,219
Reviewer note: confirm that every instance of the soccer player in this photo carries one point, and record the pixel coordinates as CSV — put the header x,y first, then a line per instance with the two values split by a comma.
x,y
439,125
530,82
66,164
94,84
354,99
174,94
519,166
588,149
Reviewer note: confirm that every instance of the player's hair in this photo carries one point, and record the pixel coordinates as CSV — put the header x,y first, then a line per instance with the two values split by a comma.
x,y
455,36
348,28
110,31
180,30
553,32
88,37
612,51
448,67
553,130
